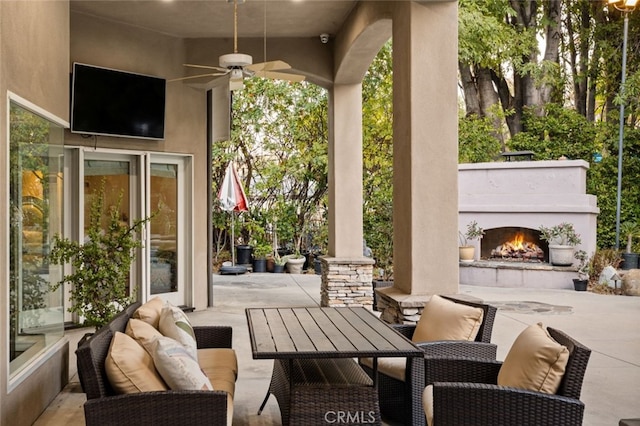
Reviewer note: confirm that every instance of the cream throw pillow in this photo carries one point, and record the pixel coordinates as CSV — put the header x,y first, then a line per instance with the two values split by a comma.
x,y
175,324
129,368
149,312
443,319
535,361
142,332
176,366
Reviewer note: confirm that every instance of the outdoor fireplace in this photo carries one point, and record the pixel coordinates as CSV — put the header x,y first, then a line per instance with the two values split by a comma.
x,y
514,244
511,201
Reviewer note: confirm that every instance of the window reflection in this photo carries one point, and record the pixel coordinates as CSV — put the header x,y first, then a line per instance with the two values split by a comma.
x,y
35,195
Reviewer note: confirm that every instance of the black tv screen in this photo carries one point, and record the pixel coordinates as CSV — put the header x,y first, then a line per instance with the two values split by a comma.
x,y
116,103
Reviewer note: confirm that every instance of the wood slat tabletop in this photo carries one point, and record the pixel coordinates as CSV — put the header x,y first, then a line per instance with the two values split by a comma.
x,y
321,332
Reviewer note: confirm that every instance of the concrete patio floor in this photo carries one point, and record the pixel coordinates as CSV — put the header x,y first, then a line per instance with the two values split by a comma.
x,y
609,325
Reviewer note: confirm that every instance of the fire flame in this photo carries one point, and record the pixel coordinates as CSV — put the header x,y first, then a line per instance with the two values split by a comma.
x,y
518,239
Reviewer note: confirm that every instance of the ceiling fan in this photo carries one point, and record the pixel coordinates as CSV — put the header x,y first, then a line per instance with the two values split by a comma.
x,y
239,65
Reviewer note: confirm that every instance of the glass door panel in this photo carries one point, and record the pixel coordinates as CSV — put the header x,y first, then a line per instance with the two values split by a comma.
x,y
164,227
117,175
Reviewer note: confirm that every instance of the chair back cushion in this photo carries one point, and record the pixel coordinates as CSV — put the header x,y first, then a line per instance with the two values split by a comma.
x,y
535,362
443,319
150,311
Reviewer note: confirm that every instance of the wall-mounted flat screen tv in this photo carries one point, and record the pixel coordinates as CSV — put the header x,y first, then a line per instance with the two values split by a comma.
x,y
116,103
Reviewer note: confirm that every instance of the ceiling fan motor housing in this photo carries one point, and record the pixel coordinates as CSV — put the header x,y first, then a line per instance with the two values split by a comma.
x,y
233,60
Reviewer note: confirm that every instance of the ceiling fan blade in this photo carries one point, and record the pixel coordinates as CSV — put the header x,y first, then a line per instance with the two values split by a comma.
x,y
215,74
269,66
209,67
280,76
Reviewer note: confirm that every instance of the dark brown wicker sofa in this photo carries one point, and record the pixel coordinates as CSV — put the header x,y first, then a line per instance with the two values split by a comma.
x,y
171,407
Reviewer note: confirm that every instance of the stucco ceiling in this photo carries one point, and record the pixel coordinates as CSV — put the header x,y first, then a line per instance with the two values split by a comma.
x,y
214,18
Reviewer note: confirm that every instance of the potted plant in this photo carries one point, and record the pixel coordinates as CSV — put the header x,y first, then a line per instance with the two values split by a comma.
x,y
101,264
562,240
278,263
467,250
294,263
580,283
630,230
260,252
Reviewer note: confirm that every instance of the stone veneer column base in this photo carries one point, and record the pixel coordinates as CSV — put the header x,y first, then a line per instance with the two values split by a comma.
x,y
401,308
346,282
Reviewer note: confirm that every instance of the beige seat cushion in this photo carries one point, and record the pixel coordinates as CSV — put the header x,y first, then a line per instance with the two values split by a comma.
x,y
149,312
535,361
427,404
142,332
221,367
443,319
175,324
129,368
393,367
177,367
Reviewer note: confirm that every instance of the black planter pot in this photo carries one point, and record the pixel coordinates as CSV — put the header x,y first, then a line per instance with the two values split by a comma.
x,y
629,261
260,265
243,255
278,269
317,266
580,285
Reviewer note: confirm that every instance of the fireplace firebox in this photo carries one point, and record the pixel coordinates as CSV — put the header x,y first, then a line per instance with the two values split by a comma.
x,y
514,244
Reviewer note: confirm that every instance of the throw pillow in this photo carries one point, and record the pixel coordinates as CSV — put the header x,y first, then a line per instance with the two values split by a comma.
x,y
129,368
534,362
142,332
175,324
149,312
443,319
176,366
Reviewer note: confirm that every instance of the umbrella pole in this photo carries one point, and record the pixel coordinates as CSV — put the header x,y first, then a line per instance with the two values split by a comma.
x,y
233,252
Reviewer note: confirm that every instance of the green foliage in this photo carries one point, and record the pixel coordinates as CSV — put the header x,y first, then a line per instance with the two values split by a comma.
x,y
279,144
476,140
473,232
100,277
559,132
563,234
377,122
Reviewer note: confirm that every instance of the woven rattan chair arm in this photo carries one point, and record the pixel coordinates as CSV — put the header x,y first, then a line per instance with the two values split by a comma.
x,y
461,370
459,349
405,329
483,404
216,336
159,408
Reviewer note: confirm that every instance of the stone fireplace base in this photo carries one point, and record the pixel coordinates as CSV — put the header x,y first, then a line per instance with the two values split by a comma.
x,y
515,274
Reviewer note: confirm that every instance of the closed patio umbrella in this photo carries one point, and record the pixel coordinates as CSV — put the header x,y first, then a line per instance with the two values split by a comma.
x,y
232,199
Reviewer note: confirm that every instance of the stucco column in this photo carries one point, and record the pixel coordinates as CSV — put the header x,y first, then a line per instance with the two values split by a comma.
x,y
425,163
346,273
345,171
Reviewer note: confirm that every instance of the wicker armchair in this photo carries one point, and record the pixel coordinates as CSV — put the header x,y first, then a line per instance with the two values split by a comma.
x,y
465,392
402,400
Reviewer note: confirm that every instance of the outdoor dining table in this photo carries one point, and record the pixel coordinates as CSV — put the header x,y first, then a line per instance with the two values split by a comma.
x,y
315,377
